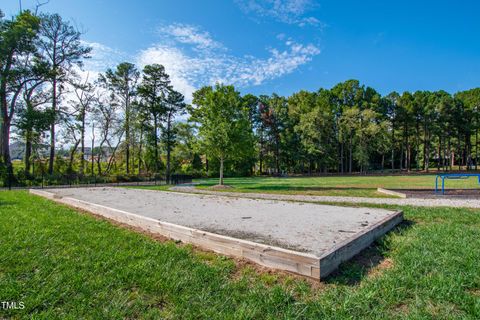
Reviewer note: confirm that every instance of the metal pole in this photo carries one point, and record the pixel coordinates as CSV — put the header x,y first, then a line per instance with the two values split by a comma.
x,y
443,185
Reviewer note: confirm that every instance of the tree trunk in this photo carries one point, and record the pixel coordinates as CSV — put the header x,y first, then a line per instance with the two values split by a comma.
x,y
82,143
459,148
155,139
5,144
93,145
261,164
417,145
401,154
5,119
476,148
393,146
72,156
112,157
277,154
169,146
439,152
100,154
99,166
341,158
127,131
206,165
409,158
28,150
427,154
350,154
140,151
221,171
449,151
52,128
261,152
407,148
127,150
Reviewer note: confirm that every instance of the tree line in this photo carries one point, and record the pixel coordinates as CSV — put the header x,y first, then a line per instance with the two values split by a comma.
x,y
129,114
131,119
348,128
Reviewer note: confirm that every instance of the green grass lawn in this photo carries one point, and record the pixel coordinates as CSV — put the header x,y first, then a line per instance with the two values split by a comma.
x,y
66,265
358,186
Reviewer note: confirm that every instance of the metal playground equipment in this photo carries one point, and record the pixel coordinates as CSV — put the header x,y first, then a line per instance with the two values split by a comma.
x,y
453,176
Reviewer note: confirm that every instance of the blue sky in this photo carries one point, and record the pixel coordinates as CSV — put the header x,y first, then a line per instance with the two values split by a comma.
x,y
282,46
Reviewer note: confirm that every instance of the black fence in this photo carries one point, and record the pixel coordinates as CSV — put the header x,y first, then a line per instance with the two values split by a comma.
x,y
75,180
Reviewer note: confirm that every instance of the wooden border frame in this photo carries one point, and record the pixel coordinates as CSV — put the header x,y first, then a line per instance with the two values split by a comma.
x,y
304,264
392,193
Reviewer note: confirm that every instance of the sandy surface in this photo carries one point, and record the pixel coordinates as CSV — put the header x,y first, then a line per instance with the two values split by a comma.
x,y
438,201
303,227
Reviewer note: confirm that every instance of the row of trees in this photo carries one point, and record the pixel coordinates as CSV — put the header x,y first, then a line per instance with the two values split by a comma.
x,y
349,128
37,51
130,116
44,100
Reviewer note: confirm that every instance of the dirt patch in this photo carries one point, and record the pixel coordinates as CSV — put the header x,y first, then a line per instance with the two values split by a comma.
x,y
368,263
401,308
381,266
474,292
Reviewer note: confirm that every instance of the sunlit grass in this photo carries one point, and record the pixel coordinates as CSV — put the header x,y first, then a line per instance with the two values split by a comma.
x,y
66,265
360,186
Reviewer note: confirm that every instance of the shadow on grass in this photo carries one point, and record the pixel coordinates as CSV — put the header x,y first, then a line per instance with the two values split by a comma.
x,y
371,259
8,203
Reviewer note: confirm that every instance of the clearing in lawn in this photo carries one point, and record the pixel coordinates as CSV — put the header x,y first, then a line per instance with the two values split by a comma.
x,y
352,186
63,264
307,239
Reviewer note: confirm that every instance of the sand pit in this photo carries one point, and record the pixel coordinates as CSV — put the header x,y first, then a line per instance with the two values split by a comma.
x,y
308,239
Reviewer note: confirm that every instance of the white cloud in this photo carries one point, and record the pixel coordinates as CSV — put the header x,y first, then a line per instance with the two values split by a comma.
x,y
209,63
189,34
287,11
181,68
102,57
193,59
254,71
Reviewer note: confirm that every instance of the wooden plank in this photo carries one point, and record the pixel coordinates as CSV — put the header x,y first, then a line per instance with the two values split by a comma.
x,y
391,192
345,250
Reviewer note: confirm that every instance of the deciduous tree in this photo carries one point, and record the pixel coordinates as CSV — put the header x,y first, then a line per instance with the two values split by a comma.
x,y
123,83
61,47
17,39
224,129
